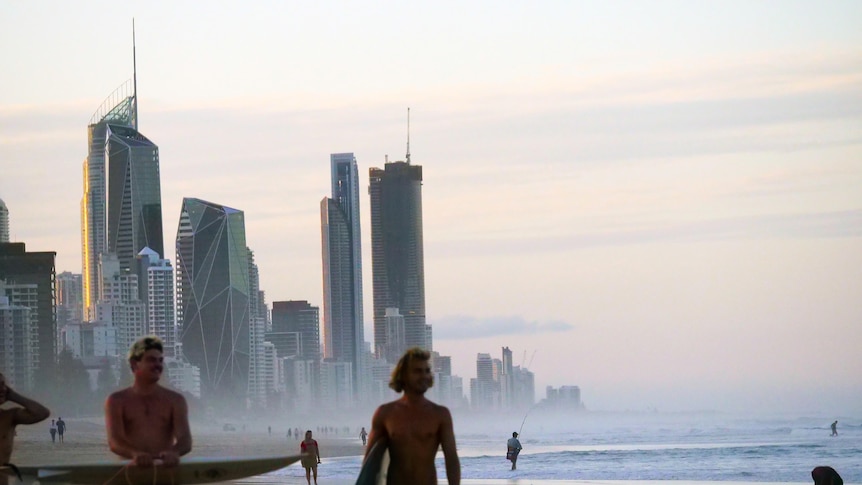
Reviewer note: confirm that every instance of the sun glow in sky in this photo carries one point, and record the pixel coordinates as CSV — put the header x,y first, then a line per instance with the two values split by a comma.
x,y
660,202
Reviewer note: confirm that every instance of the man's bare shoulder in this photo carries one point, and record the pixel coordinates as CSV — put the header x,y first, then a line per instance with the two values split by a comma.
x,y
121,395
441,411
171,394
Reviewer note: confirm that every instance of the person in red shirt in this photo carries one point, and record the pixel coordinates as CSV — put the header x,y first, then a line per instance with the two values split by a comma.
x,y
310,456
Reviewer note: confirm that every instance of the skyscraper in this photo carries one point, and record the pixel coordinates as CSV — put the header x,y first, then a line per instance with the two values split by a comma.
x,y
343,332
121,211
29,280
296,328
397,253
69,299
212,271
119,109
4,222
156,291
134,199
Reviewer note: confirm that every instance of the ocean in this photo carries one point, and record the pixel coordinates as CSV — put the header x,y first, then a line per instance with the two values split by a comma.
x,y
706,447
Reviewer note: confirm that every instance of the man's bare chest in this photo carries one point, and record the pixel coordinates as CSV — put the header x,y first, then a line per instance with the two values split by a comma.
x,y
153,412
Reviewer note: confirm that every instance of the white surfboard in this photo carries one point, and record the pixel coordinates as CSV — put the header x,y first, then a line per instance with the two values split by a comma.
x,y
191,470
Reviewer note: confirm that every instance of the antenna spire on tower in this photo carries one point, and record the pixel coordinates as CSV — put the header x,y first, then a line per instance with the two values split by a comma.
x,y
408,135
134,74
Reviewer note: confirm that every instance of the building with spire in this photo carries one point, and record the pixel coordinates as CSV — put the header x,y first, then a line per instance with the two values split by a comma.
x,y
121,211
397,257
343,334
213,296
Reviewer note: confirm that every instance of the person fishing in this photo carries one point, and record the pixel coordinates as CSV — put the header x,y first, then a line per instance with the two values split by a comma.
x,y
513,448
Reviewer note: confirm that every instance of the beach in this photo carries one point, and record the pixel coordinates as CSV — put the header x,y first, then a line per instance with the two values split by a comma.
x,y
603,450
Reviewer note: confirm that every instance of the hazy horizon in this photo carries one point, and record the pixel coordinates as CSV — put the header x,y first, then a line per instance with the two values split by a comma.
x,y
659,202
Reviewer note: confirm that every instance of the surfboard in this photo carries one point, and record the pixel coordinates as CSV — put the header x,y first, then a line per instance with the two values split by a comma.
x,y
192,470
375,466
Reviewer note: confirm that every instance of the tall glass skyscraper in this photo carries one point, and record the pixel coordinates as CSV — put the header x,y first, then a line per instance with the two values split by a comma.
x,y
343,332
121,211
397,257
212,287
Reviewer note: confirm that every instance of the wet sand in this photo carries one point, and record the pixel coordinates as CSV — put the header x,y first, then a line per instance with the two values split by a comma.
x,y
85,441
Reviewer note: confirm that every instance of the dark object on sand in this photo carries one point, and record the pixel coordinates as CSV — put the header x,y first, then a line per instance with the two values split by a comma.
x,y
826,475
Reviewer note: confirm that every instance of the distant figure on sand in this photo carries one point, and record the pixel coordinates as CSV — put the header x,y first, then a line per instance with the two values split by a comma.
x,y
826,475
61,428
146,422
29,412
513,448
363,435
310,456
53,431
414,428
835,428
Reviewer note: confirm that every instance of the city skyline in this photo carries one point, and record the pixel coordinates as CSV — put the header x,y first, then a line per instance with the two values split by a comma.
x,y
662,196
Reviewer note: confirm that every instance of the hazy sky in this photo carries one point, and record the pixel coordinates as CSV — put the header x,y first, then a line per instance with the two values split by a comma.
x,y
660,202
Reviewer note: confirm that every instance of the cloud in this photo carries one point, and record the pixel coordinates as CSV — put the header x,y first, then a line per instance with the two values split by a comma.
x,y
460,327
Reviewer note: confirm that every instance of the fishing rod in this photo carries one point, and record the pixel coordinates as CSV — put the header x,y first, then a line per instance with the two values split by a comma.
x,y
525,419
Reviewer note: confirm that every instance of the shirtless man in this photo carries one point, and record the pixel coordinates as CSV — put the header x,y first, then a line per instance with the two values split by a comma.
x,y
146,422
30,412
413,427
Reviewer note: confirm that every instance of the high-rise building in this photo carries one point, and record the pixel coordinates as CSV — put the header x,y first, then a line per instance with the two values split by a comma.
x,y
296,322
121,210
156,291
70,299
133,192
397,252
258,372
4,222
17,343
120,305
343,334
35,274
212,272
118,109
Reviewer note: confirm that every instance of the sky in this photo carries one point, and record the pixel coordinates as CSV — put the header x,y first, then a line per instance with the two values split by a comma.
x,y
657,201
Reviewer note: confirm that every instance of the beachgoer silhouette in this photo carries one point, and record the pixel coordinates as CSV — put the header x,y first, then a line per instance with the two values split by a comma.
x,y
269,430
835,428
26,411
513,448
61,428
826,475
364,435
53,431
310,456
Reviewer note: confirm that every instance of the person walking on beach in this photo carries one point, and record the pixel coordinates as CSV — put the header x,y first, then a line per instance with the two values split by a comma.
x,y
29,412
835,428
310,456
414,428
53,431
363,435
513,448
61,428
146,421
826,475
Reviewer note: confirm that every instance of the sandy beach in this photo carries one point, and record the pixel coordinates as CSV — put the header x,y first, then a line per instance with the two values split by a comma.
x,y
85,442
